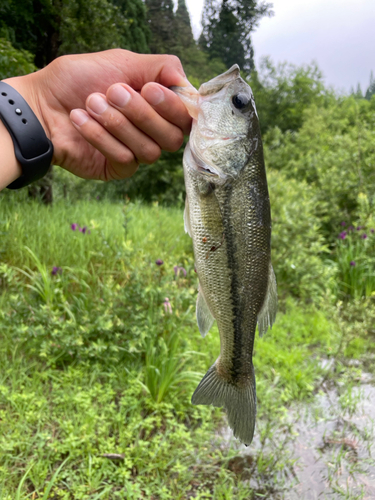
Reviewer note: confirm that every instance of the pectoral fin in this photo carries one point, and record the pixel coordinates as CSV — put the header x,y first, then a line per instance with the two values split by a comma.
x,y
267,314
187,217
204,317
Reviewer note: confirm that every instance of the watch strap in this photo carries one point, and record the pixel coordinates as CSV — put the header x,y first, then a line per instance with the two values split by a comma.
x,y
32,147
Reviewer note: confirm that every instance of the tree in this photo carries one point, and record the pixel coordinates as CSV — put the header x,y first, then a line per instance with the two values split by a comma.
x,y
33,25
103,24
227,28
14,62
183,32
371,89
282,93
226,38
359,93
137,35
161,22
49,28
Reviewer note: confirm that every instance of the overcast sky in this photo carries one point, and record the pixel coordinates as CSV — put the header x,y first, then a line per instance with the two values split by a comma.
x,y
338,34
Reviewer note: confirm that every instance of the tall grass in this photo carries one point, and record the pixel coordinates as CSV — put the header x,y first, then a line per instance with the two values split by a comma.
x,y
95,361
156,232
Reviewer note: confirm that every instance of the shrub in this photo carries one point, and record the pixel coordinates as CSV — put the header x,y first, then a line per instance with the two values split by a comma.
x,y
299,252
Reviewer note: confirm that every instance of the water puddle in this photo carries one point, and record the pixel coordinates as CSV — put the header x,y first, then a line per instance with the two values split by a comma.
x,y
324,452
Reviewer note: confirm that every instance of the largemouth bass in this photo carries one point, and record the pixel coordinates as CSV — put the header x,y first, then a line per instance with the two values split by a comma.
x,y
227,215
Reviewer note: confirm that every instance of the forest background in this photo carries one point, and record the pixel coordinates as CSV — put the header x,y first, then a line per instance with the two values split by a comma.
x,y
33,33
64,299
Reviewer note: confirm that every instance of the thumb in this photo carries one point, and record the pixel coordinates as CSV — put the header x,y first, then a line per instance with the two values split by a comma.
x,y
139,69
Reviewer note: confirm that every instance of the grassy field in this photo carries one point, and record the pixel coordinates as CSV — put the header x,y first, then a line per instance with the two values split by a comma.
x,y
100,353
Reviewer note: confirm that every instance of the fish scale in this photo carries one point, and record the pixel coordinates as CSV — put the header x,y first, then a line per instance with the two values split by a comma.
x,y
227,214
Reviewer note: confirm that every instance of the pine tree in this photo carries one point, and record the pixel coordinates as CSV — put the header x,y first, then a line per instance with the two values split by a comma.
x,y
161,21
359,92
135,33
183,27
371,89
209,21
227,27
226,38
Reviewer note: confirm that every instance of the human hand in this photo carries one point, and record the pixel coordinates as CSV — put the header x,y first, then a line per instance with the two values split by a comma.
x,y
95,135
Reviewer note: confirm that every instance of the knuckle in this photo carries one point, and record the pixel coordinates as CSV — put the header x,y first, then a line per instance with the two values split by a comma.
x,y
150,153
143,116
115,120
174,60
176,141
118,52
124,157
96,135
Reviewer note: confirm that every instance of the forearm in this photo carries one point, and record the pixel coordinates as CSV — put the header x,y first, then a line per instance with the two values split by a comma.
x,y
10,168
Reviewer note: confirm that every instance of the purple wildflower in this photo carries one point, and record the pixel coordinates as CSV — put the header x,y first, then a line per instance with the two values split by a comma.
x,y
73,227
352,263
159,262
83,229
364,236
56,270
359,228
372,231
342,235
343,223
178,269
167,306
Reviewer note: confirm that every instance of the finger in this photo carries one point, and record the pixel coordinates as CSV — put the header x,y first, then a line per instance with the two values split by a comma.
x,y
167,135
144,148
168,105
122,163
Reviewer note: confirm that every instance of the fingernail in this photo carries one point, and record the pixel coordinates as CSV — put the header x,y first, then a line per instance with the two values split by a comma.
x,y
155,95
78,117
118,95
97,103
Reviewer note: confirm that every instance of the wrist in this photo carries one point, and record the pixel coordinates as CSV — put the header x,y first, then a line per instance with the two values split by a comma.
x,y
22,117
10,167
30,87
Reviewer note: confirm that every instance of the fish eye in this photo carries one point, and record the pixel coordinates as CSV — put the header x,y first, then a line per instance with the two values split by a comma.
x,y
240,101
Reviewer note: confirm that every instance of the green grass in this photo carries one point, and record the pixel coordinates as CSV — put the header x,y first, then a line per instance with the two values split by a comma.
x,y
93,364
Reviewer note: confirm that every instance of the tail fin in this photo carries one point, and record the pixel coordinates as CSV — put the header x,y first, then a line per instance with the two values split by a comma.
x,y
239,402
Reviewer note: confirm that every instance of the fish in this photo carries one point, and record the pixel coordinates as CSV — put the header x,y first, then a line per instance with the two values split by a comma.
x,y
227,215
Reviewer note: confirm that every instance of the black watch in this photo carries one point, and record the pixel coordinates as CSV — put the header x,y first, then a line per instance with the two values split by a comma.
x,y
32,147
